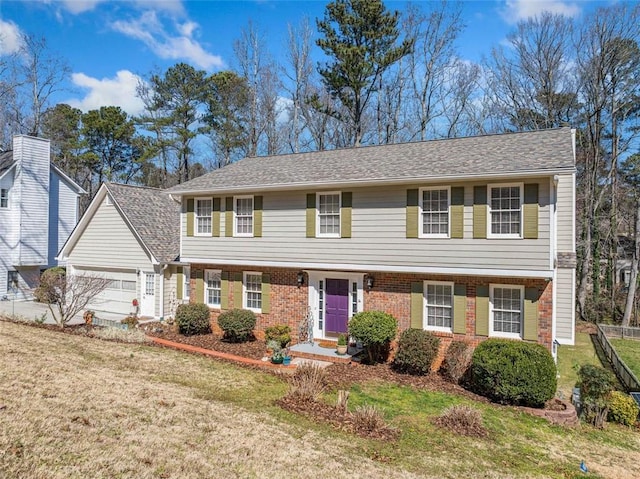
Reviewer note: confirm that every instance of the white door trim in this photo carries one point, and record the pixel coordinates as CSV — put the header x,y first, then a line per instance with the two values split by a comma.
x,y
147,300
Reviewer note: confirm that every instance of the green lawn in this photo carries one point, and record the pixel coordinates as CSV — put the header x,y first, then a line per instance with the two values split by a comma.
x,y
570,358
629,352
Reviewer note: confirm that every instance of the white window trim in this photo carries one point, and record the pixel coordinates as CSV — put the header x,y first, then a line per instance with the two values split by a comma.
x,y
422,234
244,290
235,216
330,235
186,284
7,197
206,296
504,236
195,214
425,326
500,334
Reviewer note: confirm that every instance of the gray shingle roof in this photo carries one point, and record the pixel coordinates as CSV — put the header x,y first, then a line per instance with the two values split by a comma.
x,y
6,161
154,216
489,155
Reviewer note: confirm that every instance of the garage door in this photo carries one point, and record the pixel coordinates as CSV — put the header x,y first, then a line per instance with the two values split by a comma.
x,y
118,295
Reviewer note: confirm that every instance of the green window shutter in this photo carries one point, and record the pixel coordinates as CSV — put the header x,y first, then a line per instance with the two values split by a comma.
x,y
311,215
215,218
530,211
191,216
238,301
417,304
224,290
460,308
199,286
530,326
412,214
180,283
266,293
228,216
345,215
482,310
257,216
457,212
480,211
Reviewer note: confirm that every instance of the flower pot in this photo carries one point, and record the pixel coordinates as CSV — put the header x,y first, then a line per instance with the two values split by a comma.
x,y
286,361
277,360
341,349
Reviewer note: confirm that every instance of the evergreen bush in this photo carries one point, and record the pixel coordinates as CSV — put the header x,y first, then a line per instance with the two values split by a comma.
x,y
417,350
622,408
280,333
375,330
457,361
193,318
237,324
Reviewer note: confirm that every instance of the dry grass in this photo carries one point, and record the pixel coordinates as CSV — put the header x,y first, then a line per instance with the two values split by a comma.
x,y
76,407
308,382
463,420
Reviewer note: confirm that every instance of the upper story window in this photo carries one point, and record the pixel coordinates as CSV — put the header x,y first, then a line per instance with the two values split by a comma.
x,y
505,211
507,310
4,198
328,215
203,207
434,212
213,287
253,291
243,206
438,300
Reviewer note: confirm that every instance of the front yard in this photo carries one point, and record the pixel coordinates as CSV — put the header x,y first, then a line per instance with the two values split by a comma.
x,y
629,352
73,406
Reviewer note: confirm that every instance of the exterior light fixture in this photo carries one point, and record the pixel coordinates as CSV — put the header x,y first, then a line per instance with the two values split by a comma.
x,y
300,278
369,281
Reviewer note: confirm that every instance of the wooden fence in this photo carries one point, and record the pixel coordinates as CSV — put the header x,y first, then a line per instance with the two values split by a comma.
x,y
625,375
620,332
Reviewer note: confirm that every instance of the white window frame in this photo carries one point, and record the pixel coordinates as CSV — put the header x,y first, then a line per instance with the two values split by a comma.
x,y
501,334
504,235
214,272
4,197
329,235
422,212
196,225
245,291
235,216
425,307
186,286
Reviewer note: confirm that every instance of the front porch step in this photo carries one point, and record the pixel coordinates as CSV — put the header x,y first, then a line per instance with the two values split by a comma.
x,y
316,352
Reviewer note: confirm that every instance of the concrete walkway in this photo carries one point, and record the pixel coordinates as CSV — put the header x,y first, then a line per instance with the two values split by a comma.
x,y
31,310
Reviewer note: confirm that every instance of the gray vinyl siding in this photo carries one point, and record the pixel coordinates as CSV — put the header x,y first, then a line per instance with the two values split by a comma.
x,y
378,236
565,305
170,290
63,214
566,213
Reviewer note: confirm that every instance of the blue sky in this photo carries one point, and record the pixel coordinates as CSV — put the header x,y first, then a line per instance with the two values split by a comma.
x,y
108,43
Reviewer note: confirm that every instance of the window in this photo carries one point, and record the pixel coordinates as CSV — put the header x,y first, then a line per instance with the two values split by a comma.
x,y
12,281
253,291
505,210
114,284
186,290
203,216
329,215
128,285
243,215
438,300
321,305
4,198
435,212
213,289
506,310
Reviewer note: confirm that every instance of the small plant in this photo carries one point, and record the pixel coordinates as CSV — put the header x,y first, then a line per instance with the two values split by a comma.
x,y
368,417
40,319
193,318
375,330
308,382
280,333
417,349
342,340
237,324
457,361
130,321
463,420
622,408
595,384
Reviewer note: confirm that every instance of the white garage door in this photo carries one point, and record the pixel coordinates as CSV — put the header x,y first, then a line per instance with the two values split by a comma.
x,y
119,294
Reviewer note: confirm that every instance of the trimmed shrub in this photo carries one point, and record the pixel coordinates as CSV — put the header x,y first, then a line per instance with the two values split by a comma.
x,y
237,324
193,318
280,333
457,361
375,330
417,349
513,372
622,408
44,293
595,384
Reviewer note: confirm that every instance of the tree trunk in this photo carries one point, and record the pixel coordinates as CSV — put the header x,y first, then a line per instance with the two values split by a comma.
x,y
633,281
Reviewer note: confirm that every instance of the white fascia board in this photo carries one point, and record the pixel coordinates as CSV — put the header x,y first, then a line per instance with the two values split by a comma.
x,y
8,170
68,180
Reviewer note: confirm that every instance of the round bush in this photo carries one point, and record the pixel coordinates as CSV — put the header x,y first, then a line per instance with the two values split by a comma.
x,y
193,318
622,408
457,361
237,324
47,290
513,372
280,333
375,330
417,349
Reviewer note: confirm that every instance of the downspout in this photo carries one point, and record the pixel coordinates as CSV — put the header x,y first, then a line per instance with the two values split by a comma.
x,y
554,263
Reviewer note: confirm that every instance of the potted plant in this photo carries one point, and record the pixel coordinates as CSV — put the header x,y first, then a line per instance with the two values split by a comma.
x,y
277,355
286,361
342,345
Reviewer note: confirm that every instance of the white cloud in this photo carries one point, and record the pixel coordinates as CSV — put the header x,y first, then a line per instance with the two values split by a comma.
x,y
516,10
10,37
76,7
80,6
118,91
150,30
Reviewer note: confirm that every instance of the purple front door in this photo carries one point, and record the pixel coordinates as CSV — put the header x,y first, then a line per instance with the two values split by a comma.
x,y
337,306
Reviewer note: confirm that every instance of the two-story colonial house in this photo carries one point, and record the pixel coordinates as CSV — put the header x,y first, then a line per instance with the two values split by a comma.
x,y
38,211
469,238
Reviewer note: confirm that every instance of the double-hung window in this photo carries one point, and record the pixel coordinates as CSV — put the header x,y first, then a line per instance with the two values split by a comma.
x,y
505,210
434,212
328,215
253,291
203,207
4,198
243,206
438,300
213,287
506,310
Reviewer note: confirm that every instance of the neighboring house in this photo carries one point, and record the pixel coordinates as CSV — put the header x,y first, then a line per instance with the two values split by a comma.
x,y
469,238
626,246
130,235
38,211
